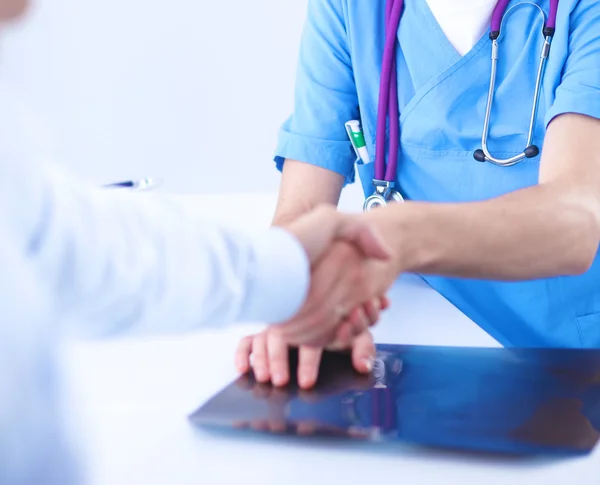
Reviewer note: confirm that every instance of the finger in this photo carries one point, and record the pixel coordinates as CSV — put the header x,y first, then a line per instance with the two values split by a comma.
x,y
365,236
372,309
343,338
359,321
260,358
318,327
242,354
384,302
315,328
319,318
363,353
331,287
309,359
277,351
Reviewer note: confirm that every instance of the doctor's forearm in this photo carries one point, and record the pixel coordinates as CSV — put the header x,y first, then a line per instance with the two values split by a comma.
x,y
304,187
533,233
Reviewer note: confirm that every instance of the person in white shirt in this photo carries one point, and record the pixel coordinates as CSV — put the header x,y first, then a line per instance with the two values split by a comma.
x,y
113,262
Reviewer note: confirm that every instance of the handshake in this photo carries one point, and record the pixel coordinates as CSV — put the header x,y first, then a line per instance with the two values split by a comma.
x,y
351,270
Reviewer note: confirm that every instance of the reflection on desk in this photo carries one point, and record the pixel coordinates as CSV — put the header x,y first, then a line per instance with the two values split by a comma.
x,y
521,402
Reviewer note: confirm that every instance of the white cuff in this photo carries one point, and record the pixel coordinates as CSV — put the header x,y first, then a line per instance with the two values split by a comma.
x,y
279,278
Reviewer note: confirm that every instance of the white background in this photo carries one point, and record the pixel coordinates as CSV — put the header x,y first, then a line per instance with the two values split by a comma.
x,y
192,91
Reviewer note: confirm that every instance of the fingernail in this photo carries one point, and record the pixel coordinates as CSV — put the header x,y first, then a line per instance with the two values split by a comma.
x,y
305,380
278,379
368,362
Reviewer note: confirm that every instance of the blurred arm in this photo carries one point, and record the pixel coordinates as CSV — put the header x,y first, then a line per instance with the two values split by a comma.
x,y
303,187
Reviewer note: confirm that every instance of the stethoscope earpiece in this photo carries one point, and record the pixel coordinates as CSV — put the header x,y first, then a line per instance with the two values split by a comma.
x,y
531,151
479,155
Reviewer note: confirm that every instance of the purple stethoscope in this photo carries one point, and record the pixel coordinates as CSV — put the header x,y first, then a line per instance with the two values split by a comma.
x,y
388,115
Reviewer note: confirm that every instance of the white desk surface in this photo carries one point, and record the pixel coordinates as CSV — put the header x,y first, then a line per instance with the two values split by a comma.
x,y
134,398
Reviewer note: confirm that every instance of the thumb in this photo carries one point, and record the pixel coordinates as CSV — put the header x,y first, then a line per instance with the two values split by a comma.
x,y
364,235
319,228
316,230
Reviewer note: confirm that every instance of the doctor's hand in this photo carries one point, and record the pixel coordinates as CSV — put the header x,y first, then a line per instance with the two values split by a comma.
x,y
267,354
343,301
320,228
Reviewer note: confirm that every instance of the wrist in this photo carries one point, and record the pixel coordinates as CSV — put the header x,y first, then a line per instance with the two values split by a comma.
x,y
288,212
287,217
392,223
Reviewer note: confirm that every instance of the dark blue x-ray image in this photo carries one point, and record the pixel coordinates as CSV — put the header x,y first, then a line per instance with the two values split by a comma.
x,y
509,401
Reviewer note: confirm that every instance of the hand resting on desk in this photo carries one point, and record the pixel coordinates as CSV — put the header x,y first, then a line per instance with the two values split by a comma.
x,y
268,356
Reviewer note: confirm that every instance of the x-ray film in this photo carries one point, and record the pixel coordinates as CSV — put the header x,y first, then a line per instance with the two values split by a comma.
x,y
509,401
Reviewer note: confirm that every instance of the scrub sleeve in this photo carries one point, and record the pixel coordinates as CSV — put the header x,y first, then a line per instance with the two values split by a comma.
x,y
325,94
575,66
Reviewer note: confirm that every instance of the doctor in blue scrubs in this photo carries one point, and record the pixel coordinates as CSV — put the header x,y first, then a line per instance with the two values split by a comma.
x,y
513,247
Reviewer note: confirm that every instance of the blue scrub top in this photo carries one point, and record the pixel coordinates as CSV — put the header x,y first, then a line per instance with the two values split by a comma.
x,y
442,103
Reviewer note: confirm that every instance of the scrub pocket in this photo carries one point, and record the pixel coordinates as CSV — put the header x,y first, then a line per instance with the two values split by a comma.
x,y
366,173
589,329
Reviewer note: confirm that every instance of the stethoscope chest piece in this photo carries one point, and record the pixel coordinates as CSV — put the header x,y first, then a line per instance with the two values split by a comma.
x,y
382,197
395,196
373,202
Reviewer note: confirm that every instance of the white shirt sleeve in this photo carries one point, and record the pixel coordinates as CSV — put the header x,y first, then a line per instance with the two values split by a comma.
x,y
120,261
